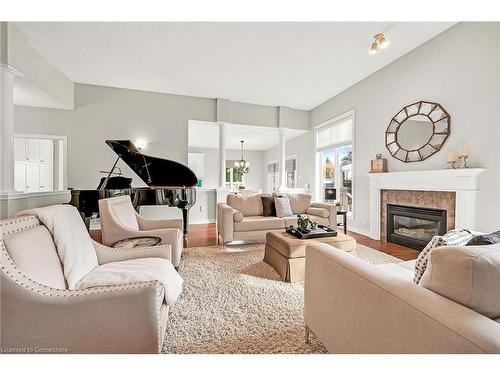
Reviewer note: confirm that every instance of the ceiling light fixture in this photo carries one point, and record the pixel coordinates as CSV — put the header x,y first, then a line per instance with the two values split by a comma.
x,y
140,144
379,42
242,165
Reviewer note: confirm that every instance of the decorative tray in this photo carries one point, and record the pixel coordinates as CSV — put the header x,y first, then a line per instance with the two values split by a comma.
x,y
320,232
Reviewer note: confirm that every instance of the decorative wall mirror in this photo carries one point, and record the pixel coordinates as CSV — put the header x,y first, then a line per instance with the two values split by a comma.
x,y
418,131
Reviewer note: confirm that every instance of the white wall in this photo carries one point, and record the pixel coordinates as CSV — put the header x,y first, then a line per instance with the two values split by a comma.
x,y
112,113
460,69
303,147
262,115
255,179
109,113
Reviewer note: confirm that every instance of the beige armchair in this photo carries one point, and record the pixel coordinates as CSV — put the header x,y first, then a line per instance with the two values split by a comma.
x,y
119,221
40,314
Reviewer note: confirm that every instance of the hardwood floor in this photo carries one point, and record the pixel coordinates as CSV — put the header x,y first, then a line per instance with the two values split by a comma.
x,y
206,235
397,251
202,235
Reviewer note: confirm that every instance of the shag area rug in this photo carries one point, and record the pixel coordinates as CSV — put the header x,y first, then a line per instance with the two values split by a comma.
x,y
233,302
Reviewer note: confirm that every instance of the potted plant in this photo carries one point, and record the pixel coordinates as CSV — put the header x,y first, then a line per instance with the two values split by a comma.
x,y
303,222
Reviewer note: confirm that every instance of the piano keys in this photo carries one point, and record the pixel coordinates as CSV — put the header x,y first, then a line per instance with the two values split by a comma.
x,y
168,183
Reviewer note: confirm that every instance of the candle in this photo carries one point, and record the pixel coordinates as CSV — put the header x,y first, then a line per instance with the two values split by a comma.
x,y
451,156
463,150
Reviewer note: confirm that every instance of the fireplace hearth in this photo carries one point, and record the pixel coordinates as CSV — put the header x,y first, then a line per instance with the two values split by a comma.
x,y
414,226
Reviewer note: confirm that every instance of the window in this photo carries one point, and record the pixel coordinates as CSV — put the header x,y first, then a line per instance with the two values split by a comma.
x,y
334,154
234,178
291,172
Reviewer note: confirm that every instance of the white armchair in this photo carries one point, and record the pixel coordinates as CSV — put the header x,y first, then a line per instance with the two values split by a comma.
x,y
40,312
120,221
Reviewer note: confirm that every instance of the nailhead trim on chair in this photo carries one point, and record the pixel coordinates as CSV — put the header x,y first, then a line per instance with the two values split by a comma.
x,y
18,224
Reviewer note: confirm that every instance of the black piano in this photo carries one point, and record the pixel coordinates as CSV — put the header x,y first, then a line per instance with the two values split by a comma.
x,y
168,184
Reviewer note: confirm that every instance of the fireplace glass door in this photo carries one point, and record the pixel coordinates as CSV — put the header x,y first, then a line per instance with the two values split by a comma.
x,y
413,226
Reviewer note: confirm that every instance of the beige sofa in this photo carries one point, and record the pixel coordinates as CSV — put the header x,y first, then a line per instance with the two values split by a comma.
x,y
241,218
353,306
39,314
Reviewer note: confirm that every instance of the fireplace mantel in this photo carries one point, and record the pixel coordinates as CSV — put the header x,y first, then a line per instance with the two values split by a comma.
x,y
461,181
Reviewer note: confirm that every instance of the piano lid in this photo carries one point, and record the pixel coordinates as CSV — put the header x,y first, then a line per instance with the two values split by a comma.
x,y
155,172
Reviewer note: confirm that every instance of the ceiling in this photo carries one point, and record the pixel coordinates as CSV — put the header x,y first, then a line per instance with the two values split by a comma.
x,y
26,93
299,65
258,138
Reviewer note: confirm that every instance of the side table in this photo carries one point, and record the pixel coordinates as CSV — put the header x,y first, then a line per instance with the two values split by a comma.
x,y
344,219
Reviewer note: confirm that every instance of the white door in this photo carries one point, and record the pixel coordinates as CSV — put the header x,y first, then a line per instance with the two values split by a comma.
x,y
46,178
20,149
32,178
34,150
20,176
46,151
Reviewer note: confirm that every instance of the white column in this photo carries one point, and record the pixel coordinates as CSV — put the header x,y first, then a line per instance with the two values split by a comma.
x,y
282,150
7,75
222,155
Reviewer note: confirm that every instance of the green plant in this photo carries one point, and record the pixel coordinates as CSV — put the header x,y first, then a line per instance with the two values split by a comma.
x,y
302,221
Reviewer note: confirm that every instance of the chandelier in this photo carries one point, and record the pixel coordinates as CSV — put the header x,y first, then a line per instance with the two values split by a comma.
x,y
242,165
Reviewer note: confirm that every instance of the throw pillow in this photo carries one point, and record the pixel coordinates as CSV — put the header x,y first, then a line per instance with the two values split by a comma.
x,y
468,275
268,205
485,239
283,208
237,216
455,237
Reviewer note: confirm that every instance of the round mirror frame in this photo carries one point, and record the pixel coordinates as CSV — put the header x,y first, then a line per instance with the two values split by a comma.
x,y
440,120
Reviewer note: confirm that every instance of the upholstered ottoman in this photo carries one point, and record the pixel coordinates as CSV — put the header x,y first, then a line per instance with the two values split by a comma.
x,y
287,254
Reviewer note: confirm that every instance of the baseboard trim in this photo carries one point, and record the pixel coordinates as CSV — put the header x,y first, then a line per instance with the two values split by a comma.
x,y
364,232
207,221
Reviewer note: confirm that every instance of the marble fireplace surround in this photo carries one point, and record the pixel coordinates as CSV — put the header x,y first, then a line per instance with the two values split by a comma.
x,y
442,200
411,185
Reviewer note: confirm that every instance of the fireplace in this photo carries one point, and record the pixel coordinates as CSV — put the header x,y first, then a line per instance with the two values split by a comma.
x,y
414,226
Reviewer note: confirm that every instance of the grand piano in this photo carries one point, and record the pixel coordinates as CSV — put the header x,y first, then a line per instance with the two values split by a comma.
x,y
168,184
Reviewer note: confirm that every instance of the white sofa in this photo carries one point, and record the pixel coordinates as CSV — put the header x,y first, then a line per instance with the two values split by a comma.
x,y
241,218
353,306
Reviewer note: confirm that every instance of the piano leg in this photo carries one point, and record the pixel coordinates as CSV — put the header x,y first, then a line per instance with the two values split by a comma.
x,y
185,216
